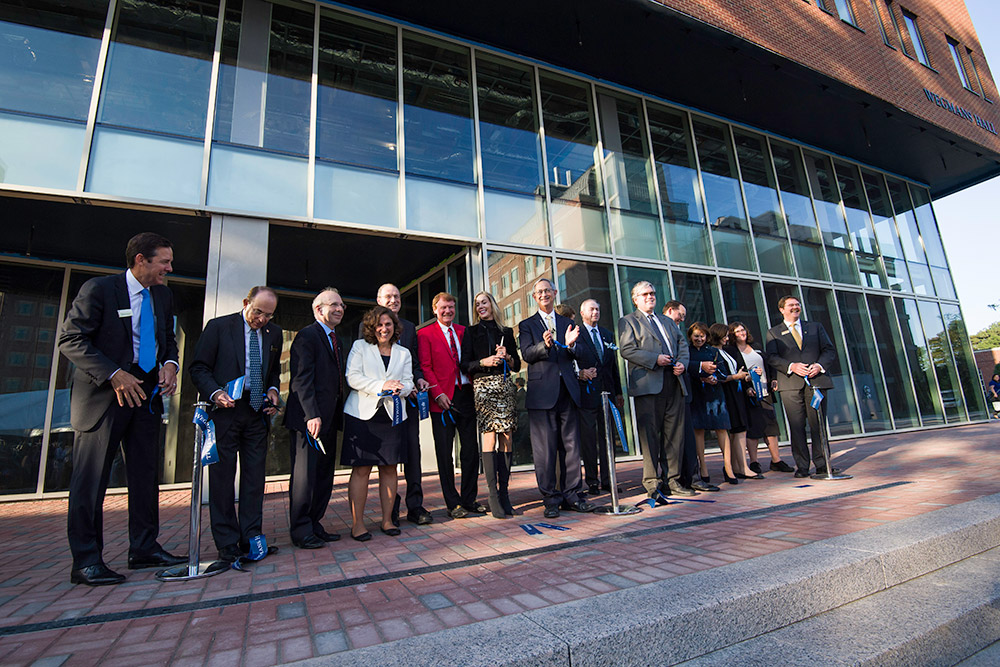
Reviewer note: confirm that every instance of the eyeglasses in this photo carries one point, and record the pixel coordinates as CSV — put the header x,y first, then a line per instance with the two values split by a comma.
x,y
646,295
257,312
545,291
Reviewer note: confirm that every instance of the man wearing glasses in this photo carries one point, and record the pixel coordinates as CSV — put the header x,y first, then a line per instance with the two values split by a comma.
x,y
242,346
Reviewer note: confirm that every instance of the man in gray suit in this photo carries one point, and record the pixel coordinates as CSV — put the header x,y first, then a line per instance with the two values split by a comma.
x,y
656,355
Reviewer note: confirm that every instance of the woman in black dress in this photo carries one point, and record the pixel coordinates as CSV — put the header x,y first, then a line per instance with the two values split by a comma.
x,y
708,402
733,381
489,357
380,373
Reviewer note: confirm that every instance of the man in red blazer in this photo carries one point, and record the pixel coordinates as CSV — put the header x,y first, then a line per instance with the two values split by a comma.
x,y
452,407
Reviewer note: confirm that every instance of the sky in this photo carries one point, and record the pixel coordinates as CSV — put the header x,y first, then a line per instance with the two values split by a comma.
x,y
966,218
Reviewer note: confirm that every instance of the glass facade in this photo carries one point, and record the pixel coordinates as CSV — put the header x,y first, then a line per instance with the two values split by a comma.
x,y
315,114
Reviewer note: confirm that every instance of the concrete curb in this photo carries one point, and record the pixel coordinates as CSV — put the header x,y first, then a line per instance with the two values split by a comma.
x,y
686,617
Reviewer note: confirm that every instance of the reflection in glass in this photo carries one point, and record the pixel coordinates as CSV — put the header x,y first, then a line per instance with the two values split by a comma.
x,y
807,244
769,236
511,151
921,365
831,220
885,231
743,304
944,364
628,276
677,177
21,163
571,149
893,366
723,199
841,407
968,373
932,243
29,318
699,294
439,206
864,362
909,237
145,165
773,293
859,224
516,304
356,158
250,180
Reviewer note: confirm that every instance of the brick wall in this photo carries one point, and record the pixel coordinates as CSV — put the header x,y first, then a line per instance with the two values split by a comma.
x,y
801,31
986,361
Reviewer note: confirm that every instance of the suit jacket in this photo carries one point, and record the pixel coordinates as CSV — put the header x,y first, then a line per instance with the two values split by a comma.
x,y
220,357
366,374
439,367
99,342
548,366
817,348
316,381
608,378
408,339
640,346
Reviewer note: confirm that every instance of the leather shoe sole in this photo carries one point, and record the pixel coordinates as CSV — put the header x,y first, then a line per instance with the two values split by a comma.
x,y
96,575
310,542
160,558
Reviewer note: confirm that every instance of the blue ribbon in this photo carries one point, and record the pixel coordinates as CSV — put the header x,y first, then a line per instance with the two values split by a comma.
x,y
397,407
209,450
506,371
450,416
817,397
757,385
235,388
590,385
149,406
424,404
618,424
315,443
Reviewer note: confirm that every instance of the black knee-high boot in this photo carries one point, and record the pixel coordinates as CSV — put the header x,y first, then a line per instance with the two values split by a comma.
x,y
490,472
503,464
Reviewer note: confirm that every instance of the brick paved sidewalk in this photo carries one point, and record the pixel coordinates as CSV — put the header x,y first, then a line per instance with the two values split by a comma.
x,y
304,603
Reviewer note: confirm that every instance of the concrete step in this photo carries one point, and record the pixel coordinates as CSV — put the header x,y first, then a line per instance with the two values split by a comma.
x,y
714,611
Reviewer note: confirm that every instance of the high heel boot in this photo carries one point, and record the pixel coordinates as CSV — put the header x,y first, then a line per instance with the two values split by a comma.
x,y
503,464
490,471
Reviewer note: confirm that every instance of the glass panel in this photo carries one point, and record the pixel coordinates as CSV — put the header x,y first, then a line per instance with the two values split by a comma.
x,y
944,365
29,318
909,236
21,163
968,373
932,243
928,399
511,151
841,409
635,227
722,196
897,276
145,165
699,294
517,304
893,366
571,149
356,112
439,206
859,225
680,199
806,241
831,219
769,235
744,304
628,276
773,293
864,362
263,103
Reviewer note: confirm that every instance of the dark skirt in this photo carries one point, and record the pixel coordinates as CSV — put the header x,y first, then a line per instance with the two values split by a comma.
x,y
708,409
763,422
736,405
373,442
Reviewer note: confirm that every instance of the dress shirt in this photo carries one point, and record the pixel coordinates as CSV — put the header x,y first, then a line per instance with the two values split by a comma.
x,y
663,332
448,332
247,332
550,323
134,289
797,326
327,330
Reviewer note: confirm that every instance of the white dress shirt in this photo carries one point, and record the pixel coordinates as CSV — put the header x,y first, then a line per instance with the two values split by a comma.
x,y
134,289
448,332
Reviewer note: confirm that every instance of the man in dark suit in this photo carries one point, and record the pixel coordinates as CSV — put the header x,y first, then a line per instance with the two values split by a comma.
x,y
598,364
797,350
388,296
453,409
690,475
119,334
317,389
657,354
245,345
548,343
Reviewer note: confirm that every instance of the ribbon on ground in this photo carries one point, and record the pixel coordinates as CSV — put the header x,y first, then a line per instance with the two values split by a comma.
x,y
618,424
209,450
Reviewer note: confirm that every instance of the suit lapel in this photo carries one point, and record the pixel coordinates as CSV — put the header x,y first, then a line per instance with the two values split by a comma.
x,y
123,303
239,343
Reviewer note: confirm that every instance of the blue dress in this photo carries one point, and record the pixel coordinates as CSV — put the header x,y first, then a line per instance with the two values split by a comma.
x,y
708,401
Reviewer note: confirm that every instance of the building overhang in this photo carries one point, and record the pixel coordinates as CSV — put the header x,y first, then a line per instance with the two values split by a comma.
x,y
641,44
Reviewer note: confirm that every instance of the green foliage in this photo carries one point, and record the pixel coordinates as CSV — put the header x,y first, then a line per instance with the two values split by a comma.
x,y
987,338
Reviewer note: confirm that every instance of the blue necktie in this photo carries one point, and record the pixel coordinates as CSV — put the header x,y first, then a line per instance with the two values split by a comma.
x,y
598,344
256,380
147,334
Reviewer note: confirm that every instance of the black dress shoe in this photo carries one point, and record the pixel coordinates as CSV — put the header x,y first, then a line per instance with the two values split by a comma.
x,y
703,486
594,490
477,508
730,480
458,512
419,516
780,466
801,473
230,553
551,512
391,532
309,542
159,558
327,537
677,490
96,575
822,471
363,537
755,466
581,506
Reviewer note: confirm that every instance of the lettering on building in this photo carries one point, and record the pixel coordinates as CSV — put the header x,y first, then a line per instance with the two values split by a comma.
x,y
961,112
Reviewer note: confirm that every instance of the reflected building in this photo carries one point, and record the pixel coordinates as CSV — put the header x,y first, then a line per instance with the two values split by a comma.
x,y
465,146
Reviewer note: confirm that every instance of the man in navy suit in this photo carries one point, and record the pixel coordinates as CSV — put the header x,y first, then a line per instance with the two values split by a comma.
x,y
598,364
244,344
548,343
317,389
119,334
797,350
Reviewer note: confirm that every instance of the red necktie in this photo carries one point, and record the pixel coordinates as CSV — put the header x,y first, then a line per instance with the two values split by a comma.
x,y
454,354
336,358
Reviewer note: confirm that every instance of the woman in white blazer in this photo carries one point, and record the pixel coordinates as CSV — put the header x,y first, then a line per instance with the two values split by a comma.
x,y
380,374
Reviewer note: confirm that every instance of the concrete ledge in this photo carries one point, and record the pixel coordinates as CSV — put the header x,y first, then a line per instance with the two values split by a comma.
x,y
686,617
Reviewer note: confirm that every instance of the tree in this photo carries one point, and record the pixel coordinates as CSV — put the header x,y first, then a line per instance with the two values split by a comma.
x,y
987,338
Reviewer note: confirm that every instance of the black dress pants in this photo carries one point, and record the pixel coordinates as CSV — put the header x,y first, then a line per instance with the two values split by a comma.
x,y
463,410
594,447
310,485
799,412
411,467
549,429
246,437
